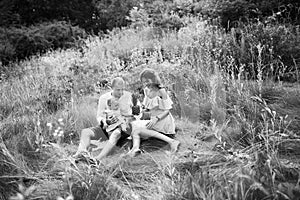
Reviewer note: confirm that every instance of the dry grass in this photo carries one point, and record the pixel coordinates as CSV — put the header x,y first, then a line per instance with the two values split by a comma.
x,y
242,122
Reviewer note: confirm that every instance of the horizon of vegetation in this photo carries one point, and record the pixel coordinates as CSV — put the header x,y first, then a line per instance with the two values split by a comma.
x,y
236,94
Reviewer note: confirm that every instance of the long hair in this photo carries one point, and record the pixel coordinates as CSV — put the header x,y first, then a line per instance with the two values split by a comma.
x,y
152,75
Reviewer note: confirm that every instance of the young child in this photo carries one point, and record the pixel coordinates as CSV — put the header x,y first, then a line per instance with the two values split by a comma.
x,y
114,111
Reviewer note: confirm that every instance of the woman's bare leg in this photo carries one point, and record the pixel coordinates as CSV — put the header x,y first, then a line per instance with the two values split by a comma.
x,y
174,144
136,140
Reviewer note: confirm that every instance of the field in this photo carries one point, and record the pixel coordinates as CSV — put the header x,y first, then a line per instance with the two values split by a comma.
x,y
238,121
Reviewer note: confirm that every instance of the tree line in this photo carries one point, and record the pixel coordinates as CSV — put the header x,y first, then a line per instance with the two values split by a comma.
x,y
28,27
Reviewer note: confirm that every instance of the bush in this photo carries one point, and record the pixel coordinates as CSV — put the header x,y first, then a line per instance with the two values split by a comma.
x,y
21,42
230,12
273,48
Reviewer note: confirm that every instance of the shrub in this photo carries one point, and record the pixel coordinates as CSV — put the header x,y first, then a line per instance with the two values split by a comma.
x,y
22,42
272,47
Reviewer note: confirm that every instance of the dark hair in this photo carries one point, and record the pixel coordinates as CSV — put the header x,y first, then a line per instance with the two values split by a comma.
x,y
151,74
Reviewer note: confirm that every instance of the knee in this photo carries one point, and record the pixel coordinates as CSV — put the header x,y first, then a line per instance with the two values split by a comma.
x,y
86,133
136,133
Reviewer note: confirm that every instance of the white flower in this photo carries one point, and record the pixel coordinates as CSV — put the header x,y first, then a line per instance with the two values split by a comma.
x,y
61,133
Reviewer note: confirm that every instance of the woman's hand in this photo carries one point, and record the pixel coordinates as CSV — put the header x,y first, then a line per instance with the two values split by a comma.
x,y
163,93
111,120
152,122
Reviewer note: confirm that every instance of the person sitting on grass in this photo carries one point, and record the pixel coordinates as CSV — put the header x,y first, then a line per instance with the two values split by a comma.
x,y
114,137
161,123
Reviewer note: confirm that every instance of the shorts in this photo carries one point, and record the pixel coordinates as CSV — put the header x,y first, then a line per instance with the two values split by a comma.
x,y
101,134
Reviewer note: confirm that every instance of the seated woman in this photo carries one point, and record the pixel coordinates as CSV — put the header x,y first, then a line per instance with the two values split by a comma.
x,y
161,124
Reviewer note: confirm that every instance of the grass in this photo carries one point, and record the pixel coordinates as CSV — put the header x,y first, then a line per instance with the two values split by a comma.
x,y
234,131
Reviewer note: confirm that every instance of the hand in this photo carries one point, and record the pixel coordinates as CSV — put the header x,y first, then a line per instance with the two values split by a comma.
x,y
111,120
152,122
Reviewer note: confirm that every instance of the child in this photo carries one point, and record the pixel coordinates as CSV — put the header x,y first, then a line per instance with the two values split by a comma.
x,y
114,111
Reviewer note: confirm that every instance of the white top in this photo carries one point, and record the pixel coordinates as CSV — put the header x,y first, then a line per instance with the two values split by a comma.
x,y
157,103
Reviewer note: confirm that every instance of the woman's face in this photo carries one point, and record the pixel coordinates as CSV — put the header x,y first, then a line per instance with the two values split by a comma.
x,y
146,82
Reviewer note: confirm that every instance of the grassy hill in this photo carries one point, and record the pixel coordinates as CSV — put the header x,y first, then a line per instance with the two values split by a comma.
x,y
238,123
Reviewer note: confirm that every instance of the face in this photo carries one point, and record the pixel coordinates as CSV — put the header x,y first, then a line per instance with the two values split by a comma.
x,y
146,82
118,90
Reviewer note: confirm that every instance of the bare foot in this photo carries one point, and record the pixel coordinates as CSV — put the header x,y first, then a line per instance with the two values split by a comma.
x,y
80,154
175,146
134,152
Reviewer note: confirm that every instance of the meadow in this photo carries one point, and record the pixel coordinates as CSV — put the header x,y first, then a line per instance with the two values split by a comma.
x,y
238,119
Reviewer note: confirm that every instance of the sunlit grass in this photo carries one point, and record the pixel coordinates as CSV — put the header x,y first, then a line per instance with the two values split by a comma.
x,y
231,128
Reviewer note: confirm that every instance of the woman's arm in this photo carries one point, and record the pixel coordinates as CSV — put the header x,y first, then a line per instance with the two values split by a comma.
x,y
155,119
163,93
162,115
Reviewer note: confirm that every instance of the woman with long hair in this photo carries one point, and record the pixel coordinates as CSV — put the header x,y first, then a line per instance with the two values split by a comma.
x,y
157,105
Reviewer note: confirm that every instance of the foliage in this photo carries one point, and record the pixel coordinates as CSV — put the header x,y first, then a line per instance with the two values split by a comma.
x,y
112,14
273,47
230,12
22,42
92,16
202,65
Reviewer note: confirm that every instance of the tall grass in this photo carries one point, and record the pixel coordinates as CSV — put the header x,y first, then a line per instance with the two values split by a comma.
x,y
248,119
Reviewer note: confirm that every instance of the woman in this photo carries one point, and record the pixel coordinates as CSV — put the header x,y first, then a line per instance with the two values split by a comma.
x,y
161,124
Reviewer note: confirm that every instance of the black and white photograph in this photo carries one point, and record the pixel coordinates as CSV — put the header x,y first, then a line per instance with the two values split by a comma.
x,y
149,100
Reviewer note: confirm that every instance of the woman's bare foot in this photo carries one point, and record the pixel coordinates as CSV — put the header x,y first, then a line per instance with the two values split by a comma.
x,y
175,146
134,152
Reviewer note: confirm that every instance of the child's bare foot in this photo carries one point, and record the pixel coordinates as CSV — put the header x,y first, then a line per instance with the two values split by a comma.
x,y
174,146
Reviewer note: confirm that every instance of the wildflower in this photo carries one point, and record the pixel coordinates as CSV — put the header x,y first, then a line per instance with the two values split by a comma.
x,y
61,133
55,133
49,124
